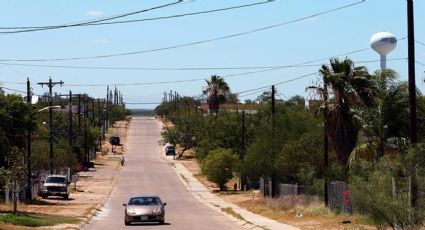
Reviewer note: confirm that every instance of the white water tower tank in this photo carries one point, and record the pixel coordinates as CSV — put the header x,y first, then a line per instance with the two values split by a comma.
x,y
383,43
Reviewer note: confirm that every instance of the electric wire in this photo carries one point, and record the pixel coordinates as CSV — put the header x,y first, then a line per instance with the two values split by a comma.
x,y
190,43
190,80
87,23
187,68
157,18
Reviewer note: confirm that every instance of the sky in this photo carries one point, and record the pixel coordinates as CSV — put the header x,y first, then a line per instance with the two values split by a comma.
x,y
303,33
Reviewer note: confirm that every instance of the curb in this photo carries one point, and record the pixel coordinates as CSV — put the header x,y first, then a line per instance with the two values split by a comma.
x,y
97,208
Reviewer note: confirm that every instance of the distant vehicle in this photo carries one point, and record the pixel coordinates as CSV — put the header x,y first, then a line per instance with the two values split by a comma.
x,y
56,185
144,208
114,140
170,150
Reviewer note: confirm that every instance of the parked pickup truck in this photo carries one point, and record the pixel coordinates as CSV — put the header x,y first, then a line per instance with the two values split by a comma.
x,y
55,185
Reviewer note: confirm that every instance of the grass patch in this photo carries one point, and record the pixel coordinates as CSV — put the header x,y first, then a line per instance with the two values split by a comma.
x,y
230,211
36,220
184,178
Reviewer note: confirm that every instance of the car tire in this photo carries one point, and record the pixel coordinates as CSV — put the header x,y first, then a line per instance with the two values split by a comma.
x,y
66,197
161,221
126,223
43,196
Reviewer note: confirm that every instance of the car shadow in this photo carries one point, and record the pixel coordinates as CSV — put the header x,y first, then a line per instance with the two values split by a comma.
x,y
147,224
58,198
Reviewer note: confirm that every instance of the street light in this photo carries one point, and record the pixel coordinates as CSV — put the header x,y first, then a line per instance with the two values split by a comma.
x,y
50,108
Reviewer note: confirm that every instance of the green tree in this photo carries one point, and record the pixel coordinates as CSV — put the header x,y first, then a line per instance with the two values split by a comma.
x,y
219,166
351,87
13,177
216,90
388,119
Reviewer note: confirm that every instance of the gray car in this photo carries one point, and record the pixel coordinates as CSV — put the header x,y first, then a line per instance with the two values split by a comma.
x,y
144,208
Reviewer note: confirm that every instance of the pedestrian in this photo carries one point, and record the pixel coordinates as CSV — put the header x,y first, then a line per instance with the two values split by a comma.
x,y
122,160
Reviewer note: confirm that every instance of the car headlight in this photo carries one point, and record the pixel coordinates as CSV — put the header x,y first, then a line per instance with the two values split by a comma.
x,y
44,188
157,211
131,212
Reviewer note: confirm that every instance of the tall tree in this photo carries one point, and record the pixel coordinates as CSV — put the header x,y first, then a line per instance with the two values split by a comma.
x,y
351,87
216,91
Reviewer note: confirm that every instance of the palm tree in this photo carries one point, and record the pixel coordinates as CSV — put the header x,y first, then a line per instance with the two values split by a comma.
x,y
387,120
216,91
352,87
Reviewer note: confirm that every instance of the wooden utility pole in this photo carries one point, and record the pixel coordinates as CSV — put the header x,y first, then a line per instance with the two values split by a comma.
x,y
70,120
325,136
273,178
107,108
29,169
50,84
414,194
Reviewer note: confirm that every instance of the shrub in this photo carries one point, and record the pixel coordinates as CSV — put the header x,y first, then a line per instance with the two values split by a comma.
x,y
218,166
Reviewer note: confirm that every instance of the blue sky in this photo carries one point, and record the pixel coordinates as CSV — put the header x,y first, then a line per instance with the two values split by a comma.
x,y
323,36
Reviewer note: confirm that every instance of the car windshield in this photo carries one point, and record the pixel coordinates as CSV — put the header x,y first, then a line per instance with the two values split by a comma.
x,y
170,147
144,201
55,180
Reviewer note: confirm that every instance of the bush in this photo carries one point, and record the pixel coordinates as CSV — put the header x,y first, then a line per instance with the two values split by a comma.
x,y
218,166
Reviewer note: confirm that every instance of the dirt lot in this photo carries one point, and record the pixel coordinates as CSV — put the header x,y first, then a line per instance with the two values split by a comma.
x,y
294,211
90,191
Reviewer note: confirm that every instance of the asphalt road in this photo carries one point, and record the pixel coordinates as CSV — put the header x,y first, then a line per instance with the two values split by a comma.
x,y
146,172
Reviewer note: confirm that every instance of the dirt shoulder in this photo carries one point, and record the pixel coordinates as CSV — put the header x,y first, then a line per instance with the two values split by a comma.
x,y
88,193
296,211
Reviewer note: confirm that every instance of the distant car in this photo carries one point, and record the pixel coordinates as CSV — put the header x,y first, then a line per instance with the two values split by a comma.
x,y
114,140
144,208
170,150
56,185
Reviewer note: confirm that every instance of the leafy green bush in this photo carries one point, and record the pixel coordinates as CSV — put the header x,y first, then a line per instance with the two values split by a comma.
x,y
219,165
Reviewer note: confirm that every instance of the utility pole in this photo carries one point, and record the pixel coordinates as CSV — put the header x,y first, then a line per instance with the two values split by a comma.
x,y
412,102
243,177
273,178
107,108
50,84
70,120
79,112
325,136
411,70
29,169
86,152
273,101
93,112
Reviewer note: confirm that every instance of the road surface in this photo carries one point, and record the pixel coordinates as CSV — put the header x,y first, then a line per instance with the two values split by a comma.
x,y
146,172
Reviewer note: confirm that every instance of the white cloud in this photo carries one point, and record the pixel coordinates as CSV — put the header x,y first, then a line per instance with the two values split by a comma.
x,y
94,13
100,41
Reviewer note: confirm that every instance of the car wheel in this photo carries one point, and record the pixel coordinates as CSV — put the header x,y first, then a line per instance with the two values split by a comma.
x,y
43,196
126,222
66,197
161,221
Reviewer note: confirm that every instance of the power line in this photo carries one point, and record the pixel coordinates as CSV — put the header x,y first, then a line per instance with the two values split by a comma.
x,y
199,79
190,43
39,28
159,18
13,90
279,83
187,68
420,42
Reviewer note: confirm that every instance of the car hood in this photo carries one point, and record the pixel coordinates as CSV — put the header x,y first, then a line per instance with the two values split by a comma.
x,y
54,184
142,209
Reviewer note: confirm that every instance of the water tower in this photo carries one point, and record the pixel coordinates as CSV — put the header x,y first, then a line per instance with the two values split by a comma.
x,y
383,43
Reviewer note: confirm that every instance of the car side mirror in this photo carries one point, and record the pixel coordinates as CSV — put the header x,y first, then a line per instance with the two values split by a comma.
x,y
125,205
165,204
